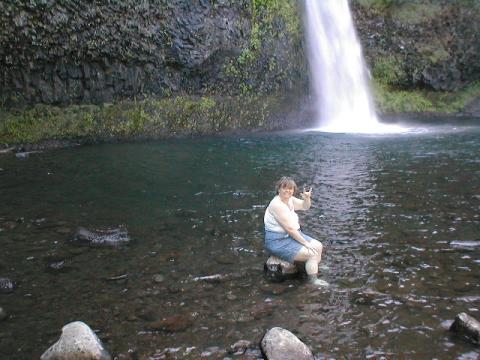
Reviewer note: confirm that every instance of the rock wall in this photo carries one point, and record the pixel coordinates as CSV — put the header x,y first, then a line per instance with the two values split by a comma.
x,y
421,44
68,51
73,51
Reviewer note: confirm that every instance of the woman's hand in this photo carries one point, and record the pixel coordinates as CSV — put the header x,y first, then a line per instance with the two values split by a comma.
x,y
306,195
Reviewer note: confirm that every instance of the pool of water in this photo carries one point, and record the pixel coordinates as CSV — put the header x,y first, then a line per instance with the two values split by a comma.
x,y
398,215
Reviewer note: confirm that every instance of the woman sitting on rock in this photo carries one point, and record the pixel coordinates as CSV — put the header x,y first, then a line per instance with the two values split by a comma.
x,y
283,237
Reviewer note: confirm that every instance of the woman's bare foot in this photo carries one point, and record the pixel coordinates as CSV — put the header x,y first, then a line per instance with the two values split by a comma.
x,y
314,280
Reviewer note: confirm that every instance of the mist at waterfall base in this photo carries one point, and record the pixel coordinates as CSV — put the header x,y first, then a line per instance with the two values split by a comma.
x,y
338,71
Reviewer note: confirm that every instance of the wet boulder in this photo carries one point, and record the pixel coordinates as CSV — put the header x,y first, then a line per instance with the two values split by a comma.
x,y
108,237
278,270
281,344
6,285
77,342
467,326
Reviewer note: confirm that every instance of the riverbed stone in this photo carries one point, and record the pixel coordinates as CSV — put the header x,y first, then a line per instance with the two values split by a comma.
x,y
281,344
77,342
108,237
3,314
57,266
467,326
278,270
158,278
6,150
366,296
176,323
9,225
262,310
6,285
241,346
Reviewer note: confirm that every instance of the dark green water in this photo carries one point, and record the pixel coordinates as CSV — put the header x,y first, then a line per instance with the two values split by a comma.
x,y
398,214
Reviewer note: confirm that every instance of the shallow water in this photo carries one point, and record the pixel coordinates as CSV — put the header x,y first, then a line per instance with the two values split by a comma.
x,y
398,214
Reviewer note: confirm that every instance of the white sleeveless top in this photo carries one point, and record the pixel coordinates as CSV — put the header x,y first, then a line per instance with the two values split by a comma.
x,y
271,224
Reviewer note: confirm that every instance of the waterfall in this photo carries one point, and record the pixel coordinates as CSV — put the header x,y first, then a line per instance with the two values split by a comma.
x,y
338,71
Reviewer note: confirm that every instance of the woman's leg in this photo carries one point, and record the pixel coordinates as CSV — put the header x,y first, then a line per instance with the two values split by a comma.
x,y
309,257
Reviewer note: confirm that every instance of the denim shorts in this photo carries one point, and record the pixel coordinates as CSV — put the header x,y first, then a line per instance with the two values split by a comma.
x,y
283,245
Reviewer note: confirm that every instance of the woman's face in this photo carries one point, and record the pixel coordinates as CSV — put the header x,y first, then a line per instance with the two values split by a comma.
x,y
286,192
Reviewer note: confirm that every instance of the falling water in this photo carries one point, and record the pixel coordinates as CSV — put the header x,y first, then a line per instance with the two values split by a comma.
x,y
339,76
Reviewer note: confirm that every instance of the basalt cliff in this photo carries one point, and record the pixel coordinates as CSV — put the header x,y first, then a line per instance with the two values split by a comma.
x,y
241,62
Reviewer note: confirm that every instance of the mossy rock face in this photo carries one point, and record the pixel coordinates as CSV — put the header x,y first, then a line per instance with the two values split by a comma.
x,y
64,52
434,44
151,118
393,100
416,13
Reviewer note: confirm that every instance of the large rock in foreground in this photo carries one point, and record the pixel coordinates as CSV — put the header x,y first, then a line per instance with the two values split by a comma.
x,y
281,344
77,342
467,326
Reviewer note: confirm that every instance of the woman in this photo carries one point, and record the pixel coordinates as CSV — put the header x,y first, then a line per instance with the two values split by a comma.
x,y
283,237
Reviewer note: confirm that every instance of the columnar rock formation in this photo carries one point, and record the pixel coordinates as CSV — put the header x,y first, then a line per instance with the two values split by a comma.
x,y
62,52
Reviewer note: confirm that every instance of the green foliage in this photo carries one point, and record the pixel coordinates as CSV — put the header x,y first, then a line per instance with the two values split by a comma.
x,y
434,51
407,11
389,100
150,118
378,5
453,102
266,17
471,3
416,13
398,101
388,71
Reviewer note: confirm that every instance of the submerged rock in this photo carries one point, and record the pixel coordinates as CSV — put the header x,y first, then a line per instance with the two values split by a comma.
x,y
9,225
57,266
211,278
3,314
278,270
281,344
77,342
467,326
109,237
241,346
175,323
366,296
6,285
7,150
262,310
25,154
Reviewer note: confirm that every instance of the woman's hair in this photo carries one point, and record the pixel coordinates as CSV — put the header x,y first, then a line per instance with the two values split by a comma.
x,y
284,182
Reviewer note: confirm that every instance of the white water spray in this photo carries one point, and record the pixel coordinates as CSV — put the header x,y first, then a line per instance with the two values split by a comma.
x,y
339,76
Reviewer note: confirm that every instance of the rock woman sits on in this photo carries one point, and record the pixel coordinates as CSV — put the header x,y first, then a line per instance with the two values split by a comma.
x,y
283,237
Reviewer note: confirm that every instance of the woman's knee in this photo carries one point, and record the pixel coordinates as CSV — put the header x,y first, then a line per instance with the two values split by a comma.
x,y
317,245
